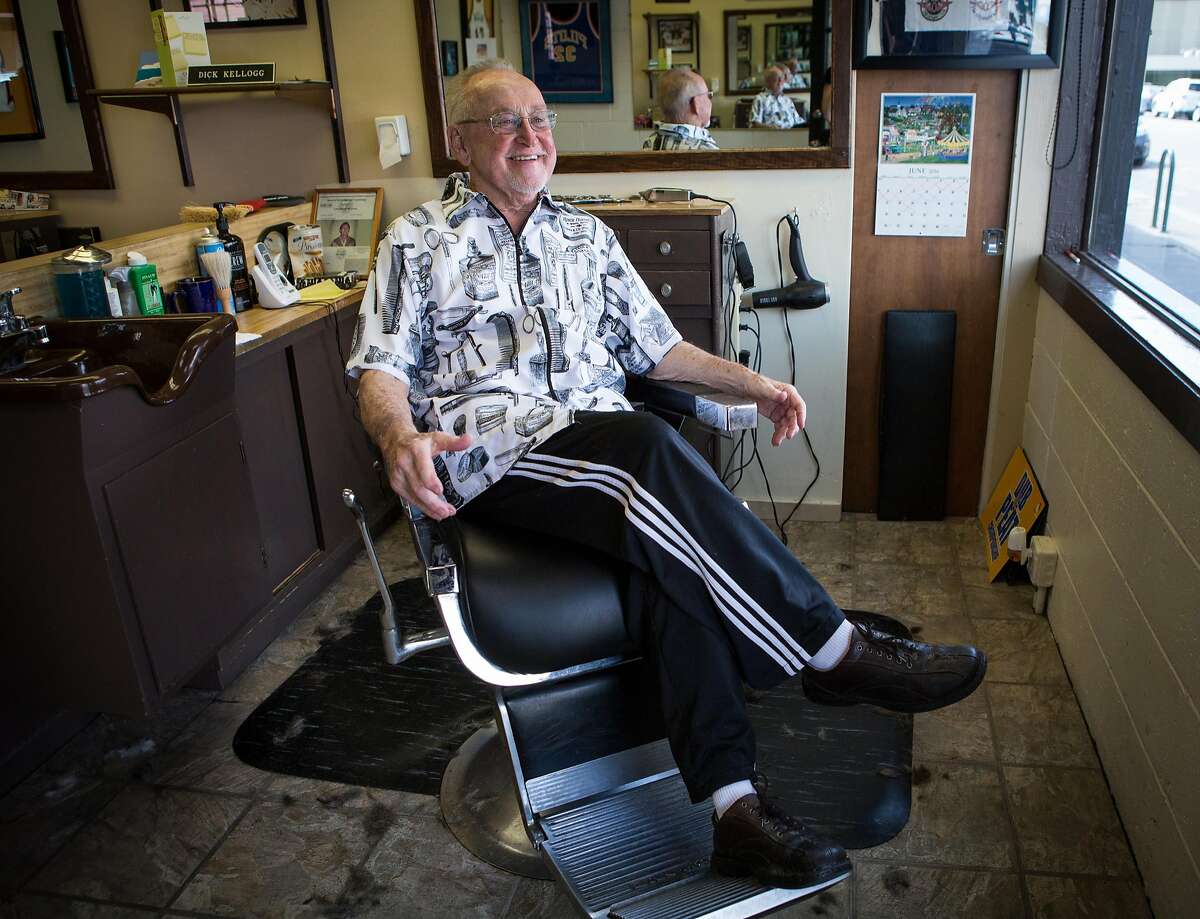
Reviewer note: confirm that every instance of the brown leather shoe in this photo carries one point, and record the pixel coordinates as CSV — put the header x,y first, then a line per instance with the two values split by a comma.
x,y
754,837
897,673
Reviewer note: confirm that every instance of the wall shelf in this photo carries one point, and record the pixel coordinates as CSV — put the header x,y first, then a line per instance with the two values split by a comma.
x,y
165,101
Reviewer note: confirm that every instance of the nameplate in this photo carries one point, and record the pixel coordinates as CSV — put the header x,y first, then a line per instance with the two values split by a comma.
x,y
230,74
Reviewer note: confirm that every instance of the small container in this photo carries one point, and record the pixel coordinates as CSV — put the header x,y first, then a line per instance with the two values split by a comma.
x,y
79,283
144,278
209,242
119,278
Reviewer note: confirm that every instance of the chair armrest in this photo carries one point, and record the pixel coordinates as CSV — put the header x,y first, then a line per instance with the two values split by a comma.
x,y
721,411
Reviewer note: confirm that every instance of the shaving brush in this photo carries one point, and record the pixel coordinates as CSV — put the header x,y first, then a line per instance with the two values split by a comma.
x,y
220,268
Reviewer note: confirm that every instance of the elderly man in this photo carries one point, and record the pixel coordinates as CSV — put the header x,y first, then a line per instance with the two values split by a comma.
x,y
686,103
491,352
772,109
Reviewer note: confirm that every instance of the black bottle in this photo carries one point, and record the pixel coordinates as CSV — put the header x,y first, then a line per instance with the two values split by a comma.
x,y
239,286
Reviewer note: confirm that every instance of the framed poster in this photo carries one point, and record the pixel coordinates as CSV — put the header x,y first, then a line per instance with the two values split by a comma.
x,y
566,49
20,115
677,34
349,221
787,40
235,14
985,34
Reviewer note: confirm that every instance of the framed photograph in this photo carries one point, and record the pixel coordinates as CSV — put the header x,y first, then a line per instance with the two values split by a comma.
x,y
349,220
958,34
743,40
478,18
566,49
236,14
449,58
20,115
787,40
678,35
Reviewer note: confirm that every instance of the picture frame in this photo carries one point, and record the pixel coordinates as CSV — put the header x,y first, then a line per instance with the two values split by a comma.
x,y
449,54
577,68
786,40
744,41
349,219
939,34
20,113
242,14
676,35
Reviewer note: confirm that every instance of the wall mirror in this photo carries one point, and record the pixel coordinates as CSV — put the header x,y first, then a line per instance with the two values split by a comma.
x,y
598,62
72,153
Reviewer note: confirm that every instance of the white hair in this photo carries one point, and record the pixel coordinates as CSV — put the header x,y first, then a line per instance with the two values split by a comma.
x,y
459,100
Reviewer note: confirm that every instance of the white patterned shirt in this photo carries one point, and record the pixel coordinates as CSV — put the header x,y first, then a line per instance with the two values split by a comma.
x,y
774,111
669,136
503,338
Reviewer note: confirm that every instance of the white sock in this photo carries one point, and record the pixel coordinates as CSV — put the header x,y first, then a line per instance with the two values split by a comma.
x,y
727,795
834,649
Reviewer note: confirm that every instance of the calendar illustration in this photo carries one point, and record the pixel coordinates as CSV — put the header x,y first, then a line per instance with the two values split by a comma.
x,y
924,178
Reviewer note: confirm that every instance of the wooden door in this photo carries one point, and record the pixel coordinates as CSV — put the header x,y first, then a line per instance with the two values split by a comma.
x,y
921,273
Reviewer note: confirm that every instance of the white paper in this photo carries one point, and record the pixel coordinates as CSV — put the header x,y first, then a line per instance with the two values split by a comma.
x,y
923,186
240,338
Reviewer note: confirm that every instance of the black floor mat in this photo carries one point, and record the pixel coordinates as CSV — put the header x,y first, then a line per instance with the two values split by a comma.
x,y
347,716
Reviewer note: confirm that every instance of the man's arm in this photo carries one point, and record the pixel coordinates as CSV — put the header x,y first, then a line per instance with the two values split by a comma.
x,y
778,401
407,453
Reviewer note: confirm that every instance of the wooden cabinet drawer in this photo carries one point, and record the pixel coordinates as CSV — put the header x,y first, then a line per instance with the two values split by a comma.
x,y
664,248
680,288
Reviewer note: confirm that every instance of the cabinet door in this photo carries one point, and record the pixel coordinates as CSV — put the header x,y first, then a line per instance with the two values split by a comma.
x,y
268,413
188,535
339,451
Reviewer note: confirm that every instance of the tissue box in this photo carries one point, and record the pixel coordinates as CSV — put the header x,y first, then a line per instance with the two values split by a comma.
x,y
181,43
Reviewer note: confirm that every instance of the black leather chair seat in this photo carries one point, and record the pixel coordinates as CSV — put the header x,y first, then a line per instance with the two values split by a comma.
x,y
535,606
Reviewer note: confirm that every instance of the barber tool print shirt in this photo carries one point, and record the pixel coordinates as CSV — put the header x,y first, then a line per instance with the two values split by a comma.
x,y
669,136
774,111
504,337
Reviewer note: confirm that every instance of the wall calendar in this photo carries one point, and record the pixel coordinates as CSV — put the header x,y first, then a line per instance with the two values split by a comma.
x,y
923,186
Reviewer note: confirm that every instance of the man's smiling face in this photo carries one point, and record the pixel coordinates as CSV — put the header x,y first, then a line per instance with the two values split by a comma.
x,y
508,168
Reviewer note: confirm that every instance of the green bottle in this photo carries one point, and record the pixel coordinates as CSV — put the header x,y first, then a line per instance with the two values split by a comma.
x,y
144,279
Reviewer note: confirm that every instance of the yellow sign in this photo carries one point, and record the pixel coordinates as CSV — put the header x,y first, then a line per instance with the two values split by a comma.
x,y
1016,501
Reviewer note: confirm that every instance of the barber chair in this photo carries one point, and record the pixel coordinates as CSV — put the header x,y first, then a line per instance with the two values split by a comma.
x,y
575,781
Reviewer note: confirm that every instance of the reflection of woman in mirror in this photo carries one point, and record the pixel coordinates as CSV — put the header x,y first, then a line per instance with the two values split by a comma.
x,y
344,238
687,108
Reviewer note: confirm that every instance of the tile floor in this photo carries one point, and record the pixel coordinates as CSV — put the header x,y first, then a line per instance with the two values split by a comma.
x,y
1011,814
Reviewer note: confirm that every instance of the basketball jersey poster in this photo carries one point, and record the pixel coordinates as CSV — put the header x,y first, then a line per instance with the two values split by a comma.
x,y
566,49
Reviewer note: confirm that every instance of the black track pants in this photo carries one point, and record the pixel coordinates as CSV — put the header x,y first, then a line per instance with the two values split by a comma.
x,y
724,599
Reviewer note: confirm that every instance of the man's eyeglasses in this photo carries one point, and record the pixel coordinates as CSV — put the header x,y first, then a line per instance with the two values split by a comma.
x,y
710,93
510,122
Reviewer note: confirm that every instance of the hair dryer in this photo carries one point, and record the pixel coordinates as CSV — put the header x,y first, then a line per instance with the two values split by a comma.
x,y
804,293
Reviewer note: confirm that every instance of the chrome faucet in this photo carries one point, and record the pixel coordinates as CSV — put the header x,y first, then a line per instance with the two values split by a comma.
x,y
16,334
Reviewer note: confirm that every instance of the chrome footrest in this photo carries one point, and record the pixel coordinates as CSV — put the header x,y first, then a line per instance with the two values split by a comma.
x,y
628,843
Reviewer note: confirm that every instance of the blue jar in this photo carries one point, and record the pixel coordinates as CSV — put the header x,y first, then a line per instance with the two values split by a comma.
x,y
79,283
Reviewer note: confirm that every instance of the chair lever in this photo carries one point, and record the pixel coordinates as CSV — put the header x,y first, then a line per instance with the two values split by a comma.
x,y
397,646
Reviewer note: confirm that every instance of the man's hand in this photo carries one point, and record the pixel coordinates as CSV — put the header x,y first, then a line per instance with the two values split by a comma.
x,y
782,404
408,457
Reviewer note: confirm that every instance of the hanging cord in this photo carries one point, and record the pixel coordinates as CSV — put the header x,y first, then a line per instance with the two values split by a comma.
x,y
1050,152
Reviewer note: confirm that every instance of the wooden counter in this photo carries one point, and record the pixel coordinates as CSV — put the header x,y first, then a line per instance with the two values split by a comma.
x,y
273,324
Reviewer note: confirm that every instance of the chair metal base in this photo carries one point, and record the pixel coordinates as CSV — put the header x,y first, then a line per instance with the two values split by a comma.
x,y
479,805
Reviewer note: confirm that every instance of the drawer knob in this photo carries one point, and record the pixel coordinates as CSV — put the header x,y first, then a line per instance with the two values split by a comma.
x,y
664,248
665,290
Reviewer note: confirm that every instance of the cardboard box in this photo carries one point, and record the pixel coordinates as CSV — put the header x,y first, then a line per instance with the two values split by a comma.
x,y
181,43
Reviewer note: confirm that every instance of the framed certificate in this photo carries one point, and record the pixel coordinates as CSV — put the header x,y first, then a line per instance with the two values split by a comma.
x,y
349,221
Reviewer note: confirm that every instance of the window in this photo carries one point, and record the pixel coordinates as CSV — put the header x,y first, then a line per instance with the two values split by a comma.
x,y
1122,252
1145,215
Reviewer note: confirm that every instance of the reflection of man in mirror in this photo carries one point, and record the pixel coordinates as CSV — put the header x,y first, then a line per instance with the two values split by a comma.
x,y
687,108
344,238
772,109
722,600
